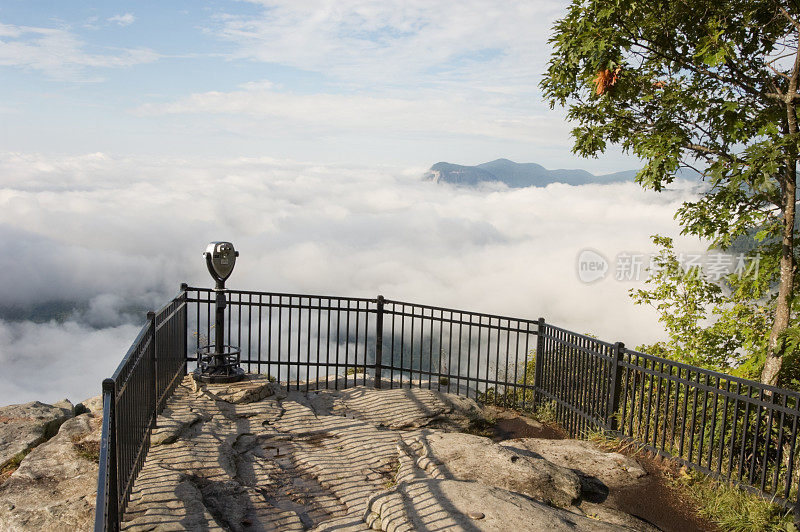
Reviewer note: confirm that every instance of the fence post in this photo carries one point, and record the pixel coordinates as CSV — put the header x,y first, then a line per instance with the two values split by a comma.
x,y
152,317
615,388
537,365
185,328
379,343
112,495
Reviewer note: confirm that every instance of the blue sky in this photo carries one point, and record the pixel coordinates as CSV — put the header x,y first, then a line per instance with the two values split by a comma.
x,y
133,133
402,83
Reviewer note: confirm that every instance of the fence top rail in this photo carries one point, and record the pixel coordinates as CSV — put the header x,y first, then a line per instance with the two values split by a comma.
x,y
471,313
361,299
279,294
528,322
168,306
577,335
131,350
709,372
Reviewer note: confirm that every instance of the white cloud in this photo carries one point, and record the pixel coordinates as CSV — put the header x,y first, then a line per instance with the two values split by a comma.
x,y
52,361
59,53
426,112
358,41
123,20
114,232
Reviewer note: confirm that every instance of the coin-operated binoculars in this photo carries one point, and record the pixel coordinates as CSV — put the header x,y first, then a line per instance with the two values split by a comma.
x,y
219,363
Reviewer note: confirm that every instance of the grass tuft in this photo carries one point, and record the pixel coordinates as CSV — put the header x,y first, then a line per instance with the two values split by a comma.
x,y
481,426
733,509
88,450
12,465
546,412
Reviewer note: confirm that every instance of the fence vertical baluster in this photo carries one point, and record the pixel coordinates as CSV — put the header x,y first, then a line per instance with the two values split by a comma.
x,y
667,377
646,438
441,350
460,337
677,399
269,339
703,419
355,355
630,377
391,356
469,356
658,404
308,349
768,430
723,430
633,371
402,341
615,388
745,430
732,450
411,355
713,423
791,459
640,403
779,446
378,341
317,359
249,330
450,352
299,337
756,436
151,316
516,367
497,361
478,361
430,352
684,410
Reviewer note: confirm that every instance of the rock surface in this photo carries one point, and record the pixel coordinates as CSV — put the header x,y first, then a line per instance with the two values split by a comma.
x,y
259,457
24,426
55,486
352,459
466,457
598,470
433,504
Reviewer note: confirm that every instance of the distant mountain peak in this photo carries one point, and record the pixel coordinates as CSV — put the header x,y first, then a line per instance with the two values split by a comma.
x,y
516,175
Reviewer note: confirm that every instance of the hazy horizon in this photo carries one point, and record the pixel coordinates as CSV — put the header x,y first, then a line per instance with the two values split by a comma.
x,y
130,138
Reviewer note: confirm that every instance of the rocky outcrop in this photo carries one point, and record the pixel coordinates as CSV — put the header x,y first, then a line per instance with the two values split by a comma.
x,y
434,504
24,426
254,387
467,457
351,459
55,486
254,456
597,469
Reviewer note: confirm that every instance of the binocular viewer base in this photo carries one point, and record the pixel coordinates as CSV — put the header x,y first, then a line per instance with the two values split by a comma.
x,y
218,368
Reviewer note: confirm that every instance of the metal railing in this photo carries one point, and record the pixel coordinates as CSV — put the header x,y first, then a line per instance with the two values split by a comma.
x,y
132,398
733,429
730,428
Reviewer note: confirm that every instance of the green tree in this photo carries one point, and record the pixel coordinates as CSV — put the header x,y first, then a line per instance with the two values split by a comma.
x,y
722,326
705,84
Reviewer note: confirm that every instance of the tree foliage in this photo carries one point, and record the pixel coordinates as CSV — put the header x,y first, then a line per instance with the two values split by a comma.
x,y
720,326
709,85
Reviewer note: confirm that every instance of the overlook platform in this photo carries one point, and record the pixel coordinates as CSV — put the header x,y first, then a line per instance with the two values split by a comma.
x,y
252,456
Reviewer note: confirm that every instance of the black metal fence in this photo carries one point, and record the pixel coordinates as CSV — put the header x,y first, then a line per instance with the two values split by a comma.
x,y
132,398
733,429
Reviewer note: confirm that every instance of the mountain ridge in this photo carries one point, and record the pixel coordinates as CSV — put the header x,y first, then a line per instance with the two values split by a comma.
x,y
517,175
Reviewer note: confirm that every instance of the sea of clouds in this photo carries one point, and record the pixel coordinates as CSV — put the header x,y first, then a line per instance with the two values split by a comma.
x,y
90,242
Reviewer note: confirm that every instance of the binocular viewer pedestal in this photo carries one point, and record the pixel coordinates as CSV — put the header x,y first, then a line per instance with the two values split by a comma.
x,y
219,363
218,368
